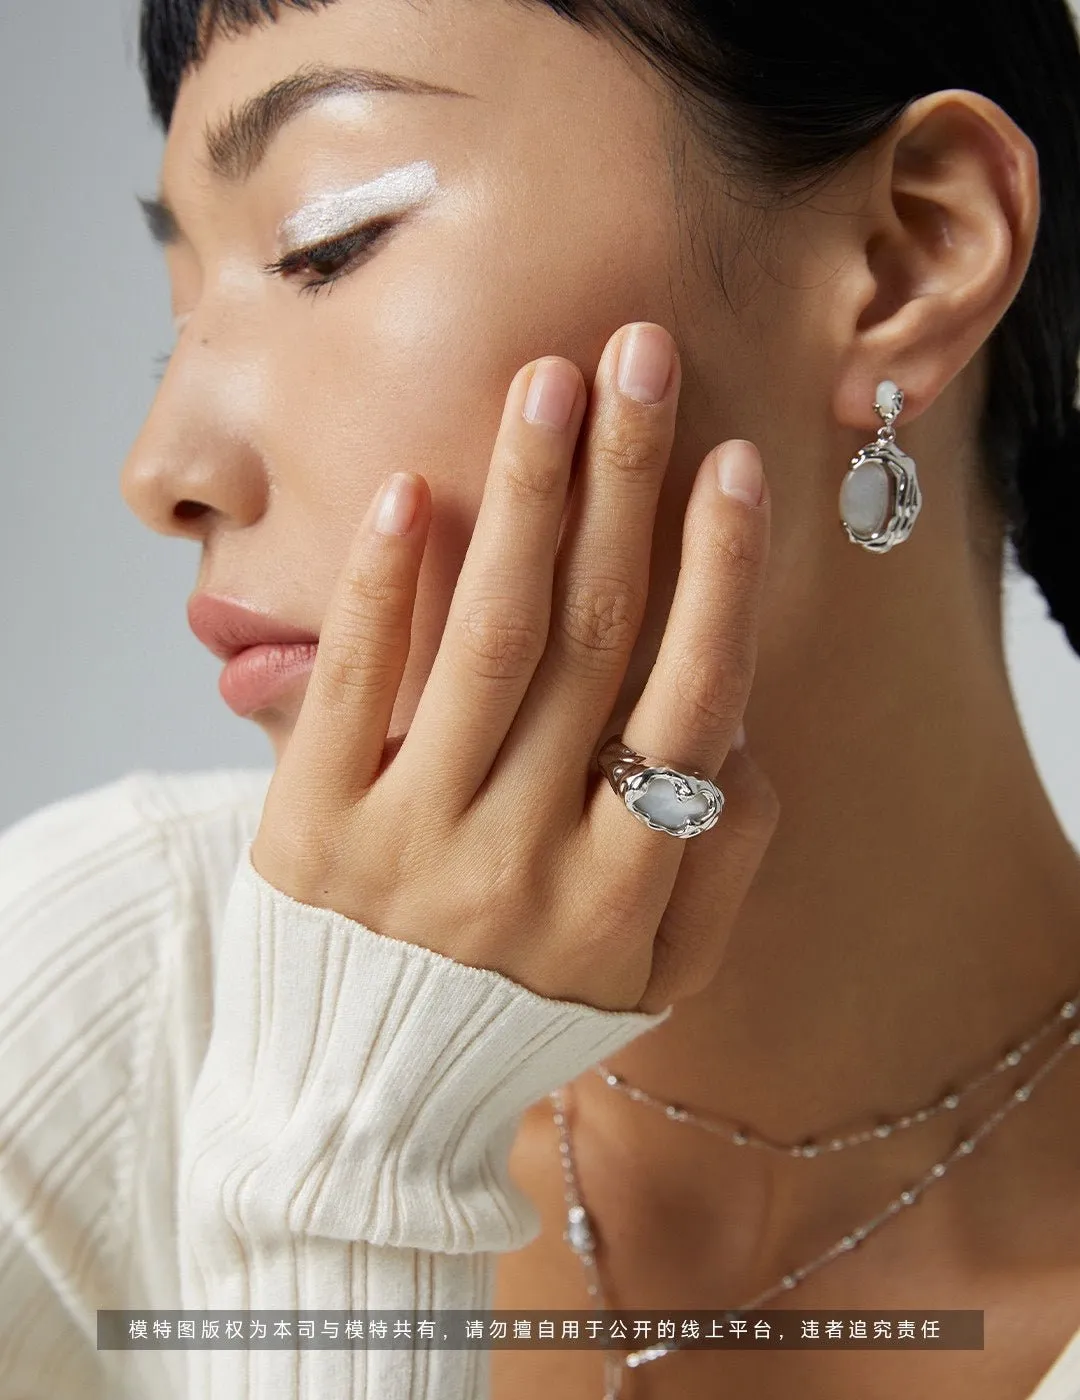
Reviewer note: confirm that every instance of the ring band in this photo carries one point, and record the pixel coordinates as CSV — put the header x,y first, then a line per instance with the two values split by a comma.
x,y
665,799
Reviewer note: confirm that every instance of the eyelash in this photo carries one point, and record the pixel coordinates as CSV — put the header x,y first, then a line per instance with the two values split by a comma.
x,y
352,245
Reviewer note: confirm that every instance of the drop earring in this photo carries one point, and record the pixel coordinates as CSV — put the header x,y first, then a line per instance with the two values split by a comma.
x,y
880,498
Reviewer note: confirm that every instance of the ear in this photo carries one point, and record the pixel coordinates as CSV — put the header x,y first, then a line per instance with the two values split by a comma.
x,y
944,241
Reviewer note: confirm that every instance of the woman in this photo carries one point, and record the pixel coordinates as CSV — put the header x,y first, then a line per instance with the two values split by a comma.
x,y
330,1038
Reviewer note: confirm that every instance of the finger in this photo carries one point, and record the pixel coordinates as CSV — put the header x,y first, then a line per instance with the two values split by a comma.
x,y
712,885
497,624
700,683
602,571
336,746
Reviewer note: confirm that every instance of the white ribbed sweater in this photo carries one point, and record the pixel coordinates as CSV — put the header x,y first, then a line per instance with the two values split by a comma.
x,y
212,1096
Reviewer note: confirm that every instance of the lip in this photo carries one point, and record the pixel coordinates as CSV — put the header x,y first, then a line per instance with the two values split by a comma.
x,y
263,654
256,677
227,627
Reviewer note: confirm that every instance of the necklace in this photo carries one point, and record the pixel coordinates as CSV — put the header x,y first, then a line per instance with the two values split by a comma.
x,y
742,1136
580,1233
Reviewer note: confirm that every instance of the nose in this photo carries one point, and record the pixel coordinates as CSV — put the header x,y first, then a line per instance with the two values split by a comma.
x,y
196,464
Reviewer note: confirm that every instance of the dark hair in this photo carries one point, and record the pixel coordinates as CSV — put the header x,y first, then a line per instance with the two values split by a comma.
x,y
785,101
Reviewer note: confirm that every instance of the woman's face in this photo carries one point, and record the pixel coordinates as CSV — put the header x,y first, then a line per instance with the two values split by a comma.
x,y
549,212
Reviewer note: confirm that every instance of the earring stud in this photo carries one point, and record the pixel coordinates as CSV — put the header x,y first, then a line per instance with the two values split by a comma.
x,y
880,497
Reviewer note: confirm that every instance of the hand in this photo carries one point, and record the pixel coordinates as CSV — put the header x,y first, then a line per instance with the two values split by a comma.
x,y
490,837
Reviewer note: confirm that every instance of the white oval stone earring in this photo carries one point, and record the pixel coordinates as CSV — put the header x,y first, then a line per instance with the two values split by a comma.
x,y
880,498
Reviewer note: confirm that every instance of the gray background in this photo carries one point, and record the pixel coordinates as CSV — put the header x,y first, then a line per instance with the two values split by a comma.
x,y
100,673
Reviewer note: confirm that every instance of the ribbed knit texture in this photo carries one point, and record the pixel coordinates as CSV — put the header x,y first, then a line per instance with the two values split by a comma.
x,y
212,1096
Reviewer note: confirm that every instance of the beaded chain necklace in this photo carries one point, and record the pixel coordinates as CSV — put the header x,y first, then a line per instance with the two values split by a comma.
x,y
580,1233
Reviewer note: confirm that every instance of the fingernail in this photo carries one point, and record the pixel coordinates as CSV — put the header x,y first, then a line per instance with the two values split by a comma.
x,y
645,362
397,505
552,392
738,470
739,741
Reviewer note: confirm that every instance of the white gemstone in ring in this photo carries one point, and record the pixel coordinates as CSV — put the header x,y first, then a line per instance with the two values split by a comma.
x,y
680,804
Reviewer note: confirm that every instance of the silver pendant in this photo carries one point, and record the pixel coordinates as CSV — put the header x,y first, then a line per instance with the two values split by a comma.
x,y
578,1234
880,497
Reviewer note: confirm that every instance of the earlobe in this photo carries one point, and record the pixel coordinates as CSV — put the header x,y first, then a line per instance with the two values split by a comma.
x,y
947,240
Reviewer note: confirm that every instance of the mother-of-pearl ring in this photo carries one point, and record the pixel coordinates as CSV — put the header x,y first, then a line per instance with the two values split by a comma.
x,y
665,799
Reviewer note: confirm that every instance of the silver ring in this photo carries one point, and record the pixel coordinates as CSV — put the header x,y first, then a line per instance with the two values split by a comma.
x,y
665,799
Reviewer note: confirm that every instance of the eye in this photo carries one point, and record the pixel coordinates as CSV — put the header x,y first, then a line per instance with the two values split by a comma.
x,y
332,259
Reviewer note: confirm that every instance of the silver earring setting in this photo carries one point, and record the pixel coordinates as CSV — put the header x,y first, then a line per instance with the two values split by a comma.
x,y
880,498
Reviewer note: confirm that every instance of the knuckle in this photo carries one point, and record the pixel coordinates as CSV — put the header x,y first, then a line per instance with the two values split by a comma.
x,y
630,451
363,664
501,639
371,593
363,652
599,616
531,477
739,548
710,684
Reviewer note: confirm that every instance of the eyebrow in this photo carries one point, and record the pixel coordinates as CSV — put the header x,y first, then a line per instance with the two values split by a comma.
x,y
235,146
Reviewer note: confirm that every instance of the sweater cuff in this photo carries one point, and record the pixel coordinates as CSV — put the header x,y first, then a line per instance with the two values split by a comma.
x,y
371,1088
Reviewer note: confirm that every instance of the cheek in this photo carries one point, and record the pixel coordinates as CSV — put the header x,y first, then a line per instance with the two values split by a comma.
x,y
406,362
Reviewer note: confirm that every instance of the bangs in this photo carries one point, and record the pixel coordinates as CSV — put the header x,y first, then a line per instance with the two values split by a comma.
x,y
174,35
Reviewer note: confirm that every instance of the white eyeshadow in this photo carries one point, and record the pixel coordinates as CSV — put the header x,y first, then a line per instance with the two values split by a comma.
x,y
341,210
